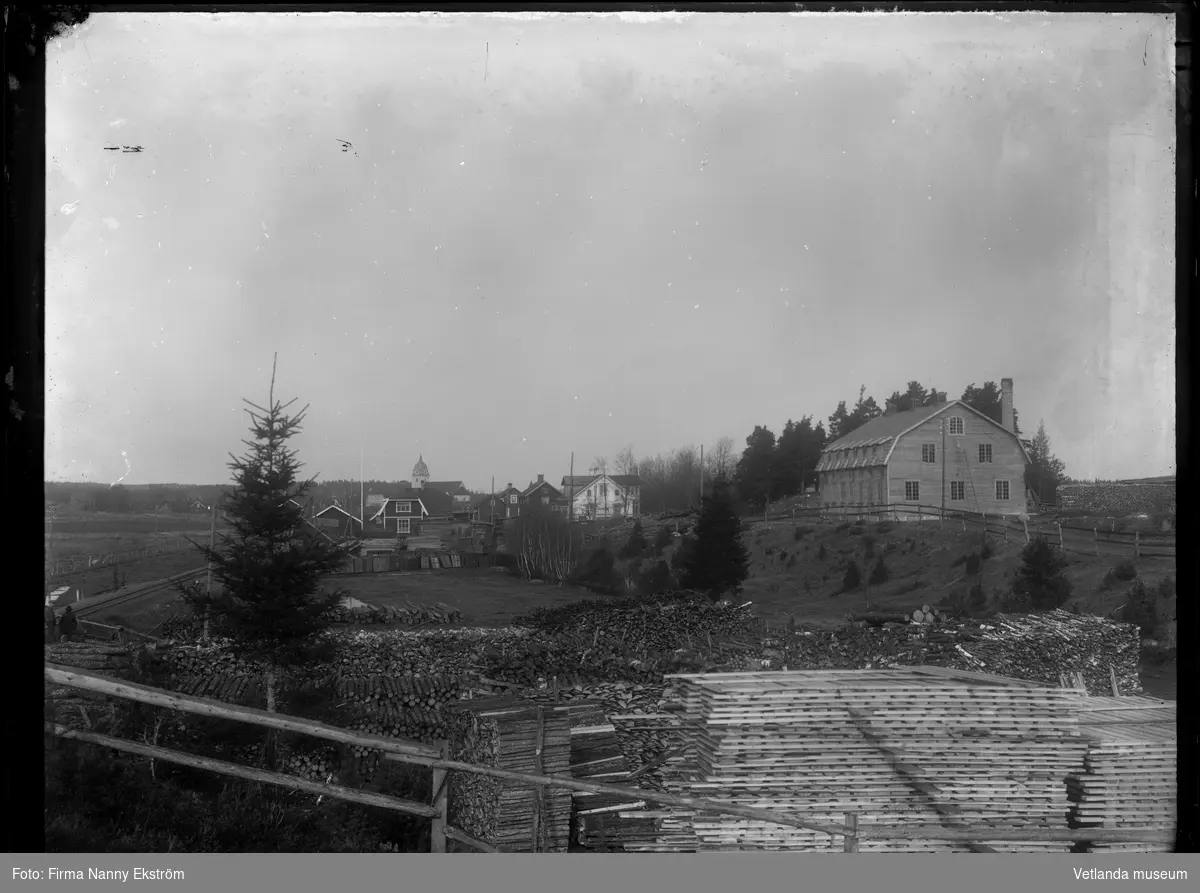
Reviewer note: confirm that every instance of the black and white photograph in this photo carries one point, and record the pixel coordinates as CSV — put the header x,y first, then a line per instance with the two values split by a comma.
x,y
610,432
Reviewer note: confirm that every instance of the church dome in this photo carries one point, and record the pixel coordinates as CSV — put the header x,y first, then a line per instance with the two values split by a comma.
x,y
420,469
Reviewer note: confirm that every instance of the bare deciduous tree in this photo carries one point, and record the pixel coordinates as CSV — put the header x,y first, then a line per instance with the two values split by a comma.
x,y
721,460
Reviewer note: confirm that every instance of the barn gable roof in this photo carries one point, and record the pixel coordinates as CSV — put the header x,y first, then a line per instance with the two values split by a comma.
x,y
886,430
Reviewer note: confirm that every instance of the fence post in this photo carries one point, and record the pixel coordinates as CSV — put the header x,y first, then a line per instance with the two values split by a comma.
x,y
1137,544
1096,540
1061,547
441,802
1025,524
850,845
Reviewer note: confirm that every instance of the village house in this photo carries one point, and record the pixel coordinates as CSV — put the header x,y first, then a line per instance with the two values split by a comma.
x,y
943,454
596,496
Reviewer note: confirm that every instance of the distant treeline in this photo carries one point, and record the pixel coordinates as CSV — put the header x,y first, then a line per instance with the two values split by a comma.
x,y
185,498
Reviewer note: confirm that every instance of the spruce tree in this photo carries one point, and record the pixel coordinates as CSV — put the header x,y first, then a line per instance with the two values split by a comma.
x,y
718,563
1042,580
270,601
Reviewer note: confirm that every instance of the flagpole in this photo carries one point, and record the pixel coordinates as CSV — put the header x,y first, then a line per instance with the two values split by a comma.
x,y
362,499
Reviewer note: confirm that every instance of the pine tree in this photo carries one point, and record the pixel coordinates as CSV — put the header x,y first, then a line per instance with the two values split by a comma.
x,y
718,563
270,601
1046,471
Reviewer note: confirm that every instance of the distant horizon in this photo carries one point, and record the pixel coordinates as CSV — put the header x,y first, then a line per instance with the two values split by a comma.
x,y
497,239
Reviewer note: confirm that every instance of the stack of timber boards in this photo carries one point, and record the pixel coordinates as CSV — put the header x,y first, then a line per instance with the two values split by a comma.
x,y
595,755
1129,778
504,733
901,748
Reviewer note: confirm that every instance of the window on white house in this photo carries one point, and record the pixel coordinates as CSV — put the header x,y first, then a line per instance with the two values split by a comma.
x,y
1001,491
958,490
956,425
912,490
928,452
985,452
403,525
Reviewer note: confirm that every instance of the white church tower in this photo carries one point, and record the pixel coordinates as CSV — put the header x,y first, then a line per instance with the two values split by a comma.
x,y
420,474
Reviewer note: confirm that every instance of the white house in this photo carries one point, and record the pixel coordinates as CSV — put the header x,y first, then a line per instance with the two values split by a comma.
x,y
603,495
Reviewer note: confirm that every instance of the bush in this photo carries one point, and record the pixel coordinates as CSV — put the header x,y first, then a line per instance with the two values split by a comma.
x,y
657,580
1124,572
973,564
852,578
792,560
959,560
869,546
1041,581
857,530
841,527
884,526
879,573
662,539
636,544
822,554
1141,607
800,533
599,572
977,599
986,552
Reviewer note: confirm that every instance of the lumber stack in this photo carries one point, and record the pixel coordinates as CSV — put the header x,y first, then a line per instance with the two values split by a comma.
x,y
596,755
898,747
1130,771
505,733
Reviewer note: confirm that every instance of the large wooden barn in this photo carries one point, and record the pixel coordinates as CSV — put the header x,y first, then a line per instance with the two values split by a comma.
x,y
943,454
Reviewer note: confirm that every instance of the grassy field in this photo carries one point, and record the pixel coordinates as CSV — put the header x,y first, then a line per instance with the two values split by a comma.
x,y
925,562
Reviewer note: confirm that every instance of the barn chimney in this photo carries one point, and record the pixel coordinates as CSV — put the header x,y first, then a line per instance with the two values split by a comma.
x,y
541,479
1006,405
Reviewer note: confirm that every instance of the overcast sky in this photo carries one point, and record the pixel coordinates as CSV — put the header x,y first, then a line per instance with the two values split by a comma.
x,y
560,233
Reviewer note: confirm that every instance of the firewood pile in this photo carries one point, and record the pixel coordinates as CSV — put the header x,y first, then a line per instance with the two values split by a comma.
x,y
1041,647
408,614
521,737
75,707
1129,779
898,747
661,623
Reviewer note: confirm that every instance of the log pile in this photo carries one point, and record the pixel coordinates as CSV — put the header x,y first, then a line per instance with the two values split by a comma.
x,y
896,746
508,734
1130,777
658,624
1041,647
80,709
407,614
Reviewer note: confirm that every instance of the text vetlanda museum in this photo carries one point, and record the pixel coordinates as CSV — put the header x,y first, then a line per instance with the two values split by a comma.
x,y
1122,874
99,874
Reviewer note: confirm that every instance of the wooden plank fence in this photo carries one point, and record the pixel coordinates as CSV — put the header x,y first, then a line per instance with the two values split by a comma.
x,y
435,757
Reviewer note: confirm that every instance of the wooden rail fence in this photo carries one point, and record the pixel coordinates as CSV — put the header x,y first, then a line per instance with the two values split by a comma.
x,y
435,757
1069,538
65,566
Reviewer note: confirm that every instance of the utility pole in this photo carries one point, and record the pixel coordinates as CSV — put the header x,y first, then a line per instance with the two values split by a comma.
x,y
212,539
571,491
362,489
943,426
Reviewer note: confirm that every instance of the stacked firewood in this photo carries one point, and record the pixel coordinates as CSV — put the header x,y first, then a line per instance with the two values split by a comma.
x,y
1041,647
75,707
521,737
407,614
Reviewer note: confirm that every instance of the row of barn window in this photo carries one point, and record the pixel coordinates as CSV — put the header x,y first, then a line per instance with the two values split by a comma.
x,y
929,452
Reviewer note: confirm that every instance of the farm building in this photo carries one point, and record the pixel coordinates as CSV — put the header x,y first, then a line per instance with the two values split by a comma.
x,y
943,454
336,520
